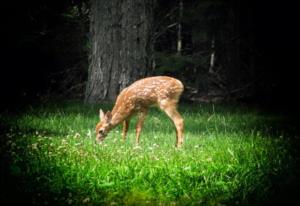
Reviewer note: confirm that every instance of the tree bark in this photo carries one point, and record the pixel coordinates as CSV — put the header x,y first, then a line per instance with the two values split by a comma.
x,y
120,46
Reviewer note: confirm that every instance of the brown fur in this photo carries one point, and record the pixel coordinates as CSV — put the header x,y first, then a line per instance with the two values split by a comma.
x,y
161,91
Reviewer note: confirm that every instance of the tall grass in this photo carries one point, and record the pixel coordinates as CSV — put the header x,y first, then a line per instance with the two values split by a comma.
x,y
231,156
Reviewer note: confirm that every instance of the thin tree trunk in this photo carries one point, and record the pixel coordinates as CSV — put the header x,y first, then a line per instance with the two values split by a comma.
x,y
179,30
120,32
212,56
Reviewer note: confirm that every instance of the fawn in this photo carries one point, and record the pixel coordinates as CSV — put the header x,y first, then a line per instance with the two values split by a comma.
x,y
162,91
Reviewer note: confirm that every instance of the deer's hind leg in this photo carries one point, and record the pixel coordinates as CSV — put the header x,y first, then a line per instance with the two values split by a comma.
x,y
170,108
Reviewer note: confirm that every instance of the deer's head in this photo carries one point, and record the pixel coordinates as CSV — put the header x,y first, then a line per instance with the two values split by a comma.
x,y
104,126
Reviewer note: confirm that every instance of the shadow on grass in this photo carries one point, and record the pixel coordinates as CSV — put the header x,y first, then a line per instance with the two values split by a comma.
x,y
15,188
236,118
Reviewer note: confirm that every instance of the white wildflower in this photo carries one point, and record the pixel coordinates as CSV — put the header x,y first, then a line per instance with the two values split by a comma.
x,y
34,146
137,147
85,200
77,135
89,134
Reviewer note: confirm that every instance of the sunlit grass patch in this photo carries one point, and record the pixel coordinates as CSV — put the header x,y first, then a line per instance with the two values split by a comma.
x,y
230,156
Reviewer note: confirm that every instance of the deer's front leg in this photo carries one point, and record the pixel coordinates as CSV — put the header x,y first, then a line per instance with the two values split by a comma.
x,y
141,117
125,129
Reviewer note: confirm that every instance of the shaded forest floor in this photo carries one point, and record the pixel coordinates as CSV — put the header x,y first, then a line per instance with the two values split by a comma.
x,y
232,156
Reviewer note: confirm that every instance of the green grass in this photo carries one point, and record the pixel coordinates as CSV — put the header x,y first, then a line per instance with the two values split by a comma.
x,y
231,156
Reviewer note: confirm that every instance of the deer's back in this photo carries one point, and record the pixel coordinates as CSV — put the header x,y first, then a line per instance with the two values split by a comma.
x,y
151,90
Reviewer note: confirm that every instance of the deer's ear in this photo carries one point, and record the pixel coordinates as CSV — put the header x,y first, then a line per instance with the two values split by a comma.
x,y
108,116
101,114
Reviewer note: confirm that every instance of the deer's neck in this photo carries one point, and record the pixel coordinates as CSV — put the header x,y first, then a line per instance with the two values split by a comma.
x,y
118,116
122,110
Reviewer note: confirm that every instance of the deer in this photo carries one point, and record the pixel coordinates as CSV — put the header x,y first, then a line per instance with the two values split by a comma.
x,y
136,99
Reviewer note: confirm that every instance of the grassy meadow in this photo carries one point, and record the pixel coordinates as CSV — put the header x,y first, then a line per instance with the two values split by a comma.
x,y
231,156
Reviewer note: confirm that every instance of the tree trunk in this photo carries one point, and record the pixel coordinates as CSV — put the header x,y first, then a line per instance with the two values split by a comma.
x,y
179,29
120,46
212,56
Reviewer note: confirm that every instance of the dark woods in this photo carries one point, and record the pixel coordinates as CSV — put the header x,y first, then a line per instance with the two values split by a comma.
x,y
222,50
45,50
